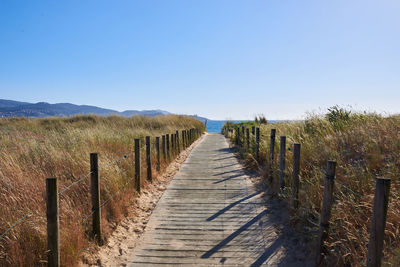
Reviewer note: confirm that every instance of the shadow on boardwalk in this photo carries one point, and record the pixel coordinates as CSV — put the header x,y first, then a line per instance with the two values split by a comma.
x,y
215,213
296,247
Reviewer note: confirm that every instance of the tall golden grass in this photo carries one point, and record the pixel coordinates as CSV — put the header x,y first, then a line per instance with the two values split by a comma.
x,y
365,146
34,149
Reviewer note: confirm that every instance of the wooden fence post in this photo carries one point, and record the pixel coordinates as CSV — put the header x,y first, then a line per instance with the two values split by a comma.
x,y
295,179
282,161
183,140
163,148
377,230
243,137
148,159
95,192
253,130
326,209
175,144
186,140
271,156
158,165
137,165
257,144
53,256
172,145
248,138
177,141
237,136
167,138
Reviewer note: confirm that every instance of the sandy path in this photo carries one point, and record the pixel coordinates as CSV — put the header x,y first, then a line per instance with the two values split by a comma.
x,y
123,240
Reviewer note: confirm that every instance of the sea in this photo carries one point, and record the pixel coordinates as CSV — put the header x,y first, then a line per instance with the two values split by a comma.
x,y
216,126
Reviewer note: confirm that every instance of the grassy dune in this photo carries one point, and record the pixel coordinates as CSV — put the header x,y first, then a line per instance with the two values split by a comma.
x,y
34,149
365,146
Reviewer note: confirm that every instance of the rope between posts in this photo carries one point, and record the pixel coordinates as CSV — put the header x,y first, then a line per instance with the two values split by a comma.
x,y
15,224
74,183
106,201
87,175
366,197
115,193
125,156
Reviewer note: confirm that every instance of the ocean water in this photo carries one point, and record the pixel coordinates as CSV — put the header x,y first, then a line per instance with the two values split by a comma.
x,y
216,126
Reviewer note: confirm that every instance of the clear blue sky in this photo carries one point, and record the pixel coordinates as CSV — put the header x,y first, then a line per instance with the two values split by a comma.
x,y
219,59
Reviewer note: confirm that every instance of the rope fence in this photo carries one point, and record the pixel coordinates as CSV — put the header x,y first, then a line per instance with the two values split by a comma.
x,y
380,200
167,151
14,224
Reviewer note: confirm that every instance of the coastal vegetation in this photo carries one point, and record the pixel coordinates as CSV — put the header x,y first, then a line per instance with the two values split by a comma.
x,y
365,146
32,150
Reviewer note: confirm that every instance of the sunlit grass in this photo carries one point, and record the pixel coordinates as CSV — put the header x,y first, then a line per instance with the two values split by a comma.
x,y
365,146
34,149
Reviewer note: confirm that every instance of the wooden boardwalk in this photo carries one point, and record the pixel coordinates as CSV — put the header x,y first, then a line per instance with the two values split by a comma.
x,y
210,216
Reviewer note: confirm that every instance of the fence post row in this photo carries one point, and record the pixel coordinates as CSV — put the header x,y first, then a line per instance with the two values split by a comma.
x,y
271,156
148,159
248,138
158,165
95,192
326,209
282,161
381,198
137,165
52,210
377,232
53,256
295,179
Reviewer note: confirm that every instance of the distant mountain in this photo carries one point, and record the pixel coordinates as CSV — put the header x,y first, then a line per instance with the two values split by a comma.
x,y
202,119
151,113
11,103
10,108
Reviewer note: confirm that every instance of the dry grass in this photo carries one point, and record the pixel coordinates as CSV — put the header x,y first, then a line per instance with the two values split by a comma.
x,y
34,149
365,146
